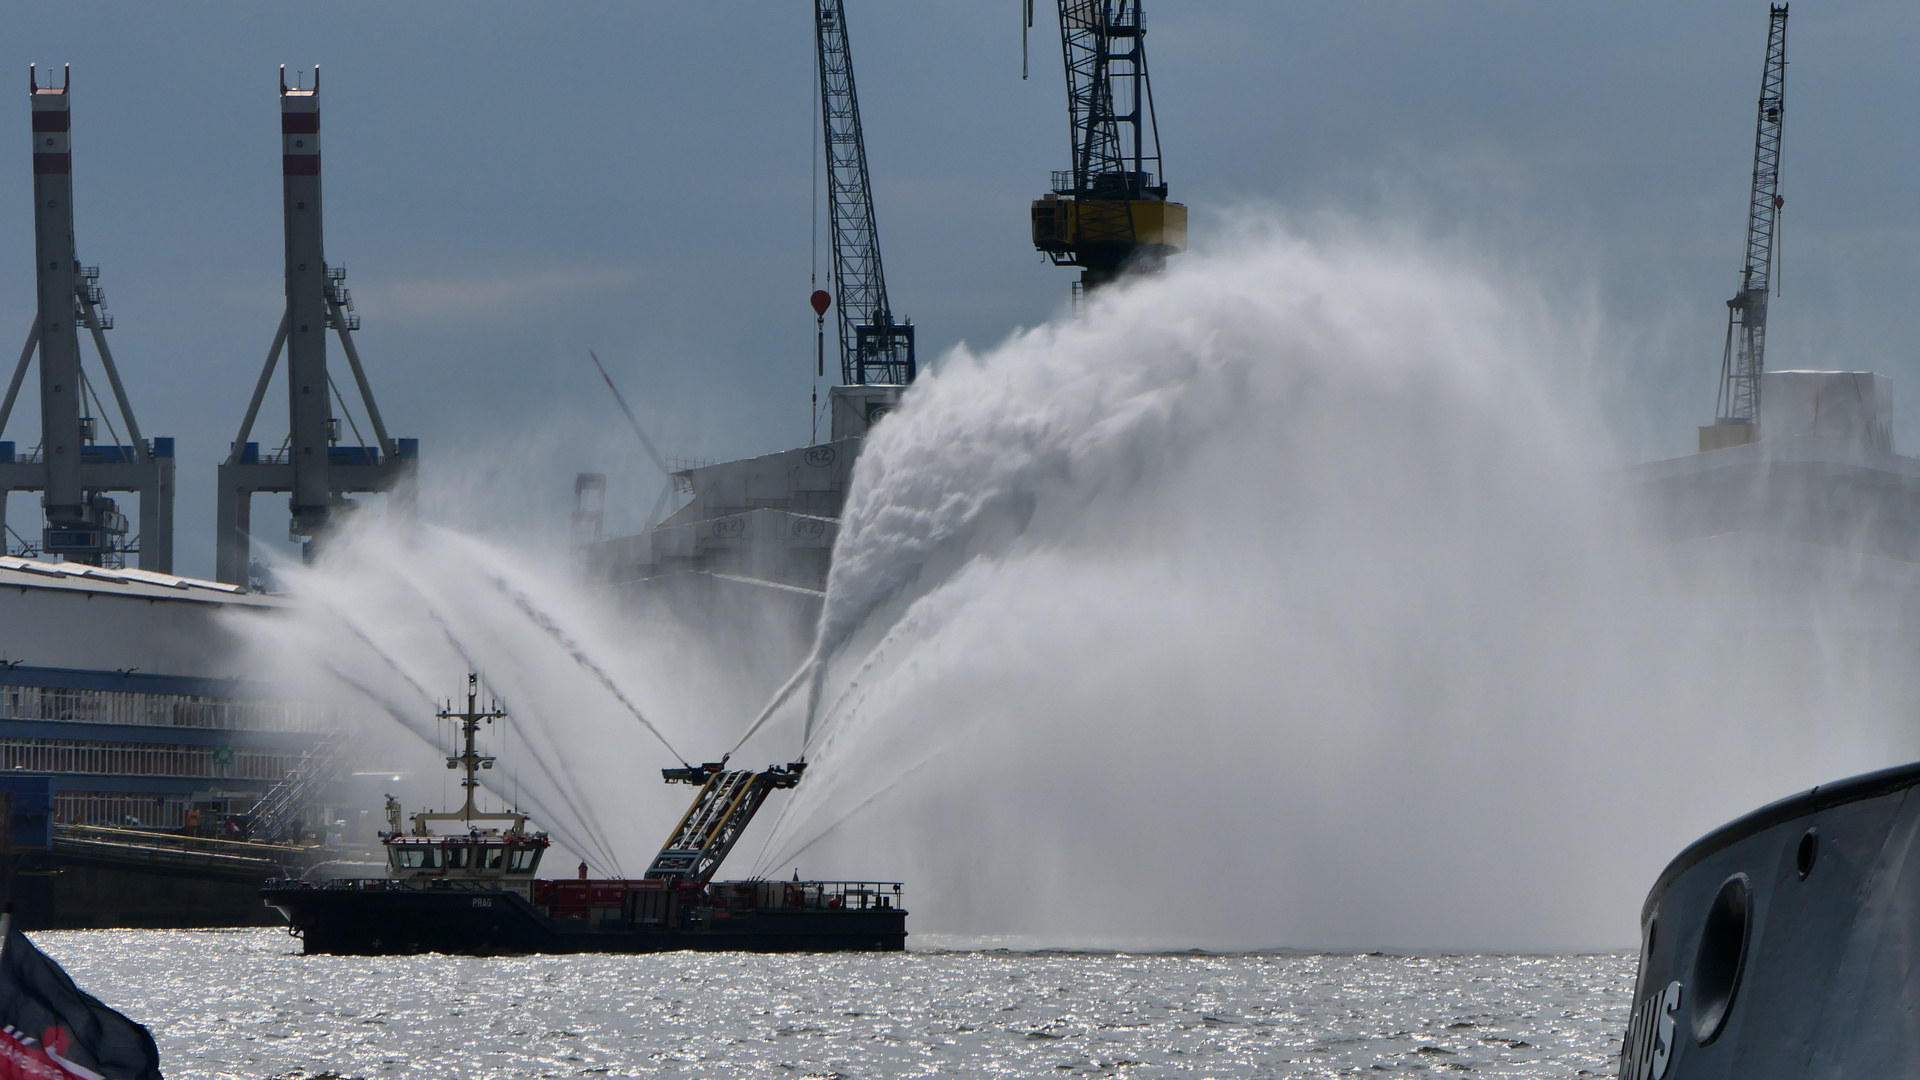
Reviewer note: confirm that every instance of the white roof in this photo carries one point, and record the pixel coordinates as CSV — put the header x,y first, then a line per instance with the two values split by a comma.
x,y
1798,449
17,572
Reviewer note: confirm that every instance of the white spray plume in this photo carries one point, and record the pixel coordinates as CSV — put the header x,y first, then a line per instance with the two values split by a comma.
x,y
1292,598
386,626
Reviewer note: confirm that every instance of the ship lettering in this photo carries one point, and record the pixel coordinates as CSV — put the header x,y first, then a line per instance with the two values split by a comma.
x,y
1649,1047
1663,1045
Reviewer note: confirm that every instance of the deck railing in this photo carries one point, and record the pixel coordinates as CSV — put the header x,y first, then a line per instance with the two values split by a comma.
x,y
812,895
729,895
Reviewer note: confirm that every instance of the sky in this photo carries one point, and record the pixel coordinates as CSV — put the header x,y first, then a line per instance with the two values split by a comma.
x,y
511,185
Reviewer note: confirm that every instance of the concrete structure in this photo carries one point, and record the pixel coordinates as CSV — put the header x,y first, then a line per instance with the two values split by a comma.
x,y
1822,477
71,469
1852,407
772,518
854,409
736,576
766,523
313,468
1807,540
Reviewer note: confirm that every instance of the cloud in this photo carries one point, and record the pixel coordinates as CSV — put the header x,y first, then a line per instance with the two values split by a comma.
x,y
446,299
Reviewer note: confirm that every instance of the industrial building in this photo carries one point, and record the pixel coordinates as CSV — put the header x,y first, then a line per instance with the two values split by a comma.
x,y
1817,499
129,724
157,724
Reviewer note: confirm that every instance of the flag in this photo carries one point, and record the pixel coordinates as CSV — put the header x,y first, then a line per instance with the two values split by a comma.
x,y
51,1029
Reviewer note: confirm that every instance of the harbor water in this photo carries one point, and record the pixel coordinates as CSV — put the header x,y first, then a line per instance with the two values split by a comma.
x,y
245,1003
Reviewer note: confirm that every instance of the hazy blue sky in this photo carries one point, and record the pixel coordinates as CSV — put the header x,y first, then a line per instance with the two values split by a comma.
x,y
509,185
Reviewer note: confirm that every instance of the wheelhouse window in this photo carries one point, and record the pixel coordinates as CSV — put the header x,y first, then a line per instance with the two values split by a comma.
x,y
493,858
522,860
459,857
414,858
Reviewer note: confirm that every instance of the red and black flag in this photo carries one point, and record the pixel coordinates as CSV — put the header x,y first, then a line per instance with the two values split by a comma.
x,y
51,1029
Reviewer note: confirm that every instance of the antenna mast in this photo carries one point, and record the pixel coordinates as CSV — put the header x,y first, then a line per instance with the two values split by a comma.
x,y
1744,357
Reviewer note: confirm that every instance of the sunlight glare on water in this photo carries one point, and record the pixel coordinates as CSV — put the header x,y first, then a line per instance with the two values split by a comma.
x,y
245,1003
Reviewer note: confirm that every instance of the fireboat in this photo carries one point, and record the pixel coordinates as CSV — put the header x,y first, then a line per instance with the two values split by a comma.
x,y
472,887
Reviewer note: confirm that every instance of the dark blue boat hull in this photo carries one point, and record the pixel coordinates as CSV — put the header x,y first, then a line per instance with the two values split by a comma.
x,y
399,921
1787,943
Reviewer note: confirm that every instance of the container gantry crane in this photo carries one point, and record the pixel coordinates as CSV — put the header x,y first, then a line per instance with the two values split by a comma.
x,y
1737,412
1110,212
73,469
874,348
314,467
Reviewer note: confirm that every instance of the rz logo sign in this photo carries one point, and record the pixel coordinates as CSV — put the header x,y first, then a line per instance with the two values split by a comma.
x,y
729,528
820,456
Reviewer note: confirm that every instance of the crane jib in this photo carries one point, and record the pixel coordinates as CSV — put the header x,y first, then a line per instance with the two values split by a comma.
x,y
874,346
1743,357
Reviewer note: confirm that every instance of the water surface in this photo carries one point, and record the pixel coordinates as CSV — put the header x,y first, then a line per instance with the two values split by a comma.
x,y
245,1003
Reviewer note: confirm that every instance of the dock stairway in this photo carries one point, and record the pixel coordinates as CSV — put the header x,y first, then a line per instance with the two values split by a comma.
x,y
276,817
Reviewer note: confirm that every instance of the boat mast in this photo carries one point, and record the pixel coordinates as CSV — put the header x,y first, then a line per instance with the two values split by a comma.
x,y
470,759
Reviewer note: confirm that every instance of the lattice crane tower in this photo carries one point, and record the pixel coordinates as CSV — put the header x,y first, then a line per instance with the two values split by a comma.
x,y
1737,412
873,347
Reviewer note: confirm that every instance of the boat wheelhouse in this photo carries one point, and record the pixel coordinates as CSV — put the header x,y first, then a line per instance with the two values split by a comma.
x,y
495,847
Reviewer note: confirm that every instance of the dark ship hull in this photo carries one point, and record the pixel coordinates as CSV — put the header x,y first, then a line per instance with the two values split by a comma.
x,y
1787,943
382,917
67,889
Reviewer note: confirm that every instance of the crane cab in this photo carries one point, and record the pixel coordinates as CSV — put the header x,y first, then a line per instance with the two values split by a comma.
x,y
1093,231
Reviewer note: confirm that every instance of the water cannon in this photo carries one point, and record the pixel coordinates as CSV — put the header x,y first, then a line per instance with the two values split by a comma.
x,y
686,774
778,777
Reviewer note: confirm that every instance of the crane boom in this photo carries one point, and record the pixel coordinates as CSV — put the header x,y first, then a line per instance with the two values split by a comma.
x,y
1108,213
1744,357
1104,47
873,347
721,811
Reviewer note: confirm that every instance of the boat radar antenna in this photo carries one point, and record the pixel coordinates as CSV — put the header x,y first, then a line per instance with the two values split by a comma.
x,y
472,761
